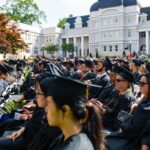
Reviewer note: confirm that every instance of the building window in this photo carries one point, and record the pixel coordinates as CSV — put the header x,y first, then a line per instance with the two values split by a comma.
x,y
129,33
110,34
110,48
116,20
142,34
129,20
105,49
116,48
105,34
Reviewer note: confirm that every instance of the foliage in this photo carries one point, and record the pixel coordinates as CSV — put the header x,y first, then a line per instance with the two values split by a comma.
x,y
25,11
68,47
10,36
51,48
61,22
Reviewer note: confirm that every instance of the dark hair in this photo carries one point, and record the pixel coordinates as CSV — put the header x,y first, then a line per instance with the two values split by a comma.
x,y
81,110
147,75
41,77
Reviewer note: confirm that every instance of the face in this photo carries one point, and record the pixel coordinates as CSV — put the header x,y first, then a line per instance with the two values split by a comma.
x,y
79,67
54,114
100,67
142,69
41,99
121,83
112,76
135,68
95,68
144,88
83,67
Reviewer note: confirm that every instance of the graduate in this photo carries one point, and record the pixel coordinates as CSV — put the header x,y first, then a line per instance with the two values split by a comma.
x,y
78,118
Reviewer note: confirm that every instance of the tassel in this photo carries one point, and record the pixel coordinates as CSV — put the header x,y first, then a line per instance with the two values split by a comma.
x,y
87,92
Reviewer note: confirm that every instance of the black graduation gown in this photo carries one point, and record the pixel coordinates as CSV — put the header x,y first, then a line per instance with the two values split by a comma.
x,y
134,125
89,76
33,125
76,142
124,103
101,81
133,130
44,138
109,98
137,77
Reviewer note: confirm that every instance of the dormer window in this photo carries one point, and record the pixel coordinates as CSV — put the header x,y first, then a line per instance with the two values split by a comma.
x,y
143,18
67,26
78,23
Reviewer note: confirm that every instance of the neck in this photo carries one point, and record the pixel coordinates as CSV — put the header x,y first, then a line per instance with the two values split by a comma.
x,y
68,132
122,91
102,72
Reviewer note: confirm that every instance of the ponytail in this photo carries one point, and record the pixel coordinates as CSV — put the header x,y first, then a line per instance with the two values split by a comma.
x,y
93,126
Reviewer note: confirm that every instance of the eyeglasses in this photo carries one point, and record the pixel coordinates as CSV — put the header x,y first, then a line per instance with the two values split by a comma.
x,y
119,80
141,83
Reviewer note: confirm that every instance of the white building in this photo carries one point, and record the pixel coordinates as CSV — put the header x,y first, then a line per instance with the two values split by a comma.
x,y
112,27
37,38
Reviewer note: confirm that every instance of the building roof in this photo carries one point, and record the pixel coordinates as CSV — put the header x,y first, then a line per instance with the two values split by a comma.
x,y
72,20
147,11
101,4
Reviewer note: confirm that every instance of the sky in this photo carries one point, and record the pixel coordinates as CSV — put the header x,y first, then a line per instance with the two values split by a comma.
x,y
57,9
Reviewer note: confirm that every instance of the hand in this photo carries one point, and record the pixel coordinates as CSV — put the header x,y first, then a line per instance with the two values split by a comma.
x,y
24,117
17,134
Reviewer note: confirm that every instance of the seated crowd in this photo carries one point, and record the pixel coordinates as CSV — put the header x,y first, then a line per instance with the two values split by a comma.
x,y
76,104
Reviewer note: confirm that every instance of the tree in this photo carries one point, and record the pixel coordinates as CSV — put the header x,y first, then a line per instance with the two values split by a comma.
x,y
51,48
61,22
10,36
68,47
25,11
43,49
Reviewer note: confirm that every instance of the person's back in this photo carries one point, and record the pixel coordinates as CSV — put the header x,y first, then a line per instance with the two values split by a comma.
x,y
76,142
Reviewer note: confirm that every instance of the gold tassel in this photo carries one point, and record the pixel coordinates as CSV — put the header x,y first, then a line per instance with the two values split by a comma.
x,y
87,92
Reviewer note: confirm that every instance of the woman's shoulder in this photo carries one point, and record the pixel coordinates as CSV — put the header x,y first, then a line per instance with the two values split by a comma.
x,y
78,142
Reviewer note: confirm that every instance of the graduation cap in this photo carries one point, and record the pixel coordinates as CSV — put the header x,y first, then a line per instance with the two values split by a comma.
x,y
107,63
68,62
115,68
61,86
137,62
88,63
3,68
8,67
126,74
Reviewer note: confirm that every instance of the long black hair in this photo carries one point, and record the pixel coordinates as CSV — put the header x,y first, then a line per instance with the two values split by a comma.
x,y
147,75
82,108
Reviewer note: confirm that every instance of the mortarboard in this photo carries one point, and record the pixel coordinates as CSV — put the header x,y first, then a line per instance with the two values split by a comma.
x,y
126,74
61,86
3,69
88,63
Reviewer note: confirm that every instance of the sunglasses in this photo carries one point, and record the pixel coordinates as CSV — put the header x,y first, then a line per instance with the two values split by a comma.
x,y
119,80
141,83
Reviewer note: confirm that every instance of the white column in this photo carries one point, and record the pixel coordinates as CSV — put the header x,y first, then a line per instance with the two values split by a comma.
x,y
75,46
82,46
67,42
138,41
147,42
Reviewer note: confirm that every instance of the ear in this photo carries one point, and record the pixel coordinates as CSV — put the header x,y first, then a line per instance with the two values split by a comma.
x,y
66,110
